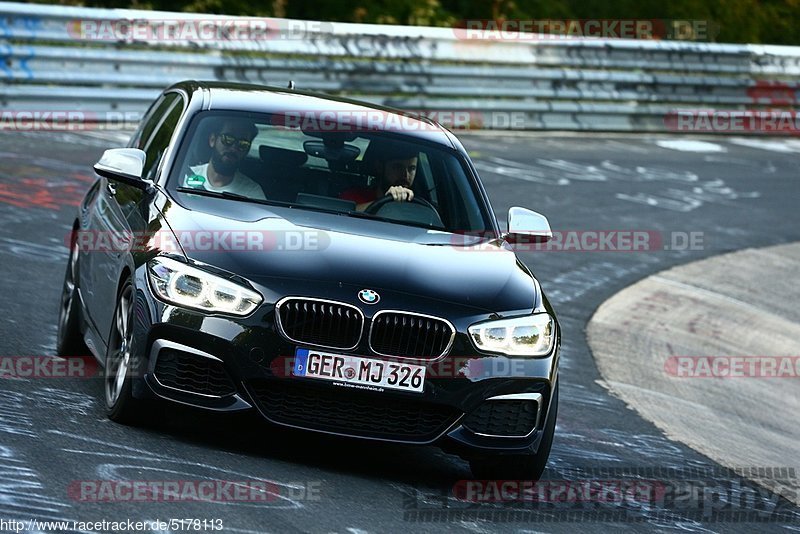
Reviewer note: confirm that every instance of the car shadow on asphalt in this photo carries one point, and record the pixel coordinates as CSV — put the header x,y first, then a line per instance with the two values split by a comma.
x,y
244,433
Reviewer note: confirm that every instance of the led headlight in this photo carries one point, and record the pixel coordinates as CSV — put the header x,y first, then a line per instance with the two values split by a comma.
x,y
190,287
532,335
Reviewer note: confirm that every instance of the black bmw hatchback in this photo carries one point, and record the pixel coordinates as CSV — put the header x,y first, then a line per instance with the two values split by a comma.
x,y
332,264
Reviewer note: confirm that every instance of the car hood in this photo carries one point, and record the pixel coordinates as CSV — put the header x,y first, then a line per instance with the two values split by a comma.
x,y
269,246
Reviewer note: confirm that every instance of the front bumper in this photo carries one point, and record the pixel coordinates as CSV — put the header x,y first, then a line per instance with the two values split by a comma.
x,y
228,364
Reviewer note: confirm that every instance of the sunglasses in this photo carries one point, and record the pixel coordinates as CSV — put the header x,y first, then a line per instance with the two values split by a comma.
x,y
241,144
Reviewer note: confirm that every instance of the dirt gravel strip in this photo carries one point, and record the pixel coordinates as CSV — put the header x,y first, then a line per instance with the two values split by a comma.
x,y
710,353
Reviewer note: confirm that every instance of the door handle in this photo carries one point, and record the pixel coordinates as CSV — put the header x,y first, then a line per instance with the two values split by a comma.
x,y
112,189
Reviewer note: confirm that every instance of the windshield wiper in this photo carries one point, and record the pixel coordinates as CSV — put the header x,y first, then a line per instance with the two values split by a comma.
x,y
362,215
242,198
357,214
230,196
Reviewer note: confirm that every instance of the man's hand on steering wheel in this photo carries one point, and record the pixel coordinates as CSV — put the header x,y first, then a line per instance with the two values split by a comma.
x,y
379,204
400,193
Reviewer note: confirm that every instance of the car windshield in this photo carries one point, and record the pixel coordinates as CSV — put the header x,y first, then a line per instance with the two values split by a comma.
x,y
337,169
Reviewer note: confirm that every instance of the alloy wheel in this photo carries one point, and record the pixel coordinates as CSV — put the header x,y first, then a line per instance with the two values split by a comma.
x,y
118,360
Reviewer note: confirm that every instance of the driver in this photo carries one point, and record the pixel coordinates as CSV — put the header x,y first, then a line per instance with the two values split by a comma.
x,y
230,141
394,166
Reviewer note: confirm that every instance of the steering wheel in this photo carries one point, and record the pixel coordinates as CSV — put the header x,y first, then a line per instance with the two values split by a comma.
x,y
382,202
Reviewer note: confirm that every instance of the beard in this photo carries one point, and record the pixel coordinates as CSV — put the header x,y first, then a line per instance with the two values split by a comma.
x,y
225,167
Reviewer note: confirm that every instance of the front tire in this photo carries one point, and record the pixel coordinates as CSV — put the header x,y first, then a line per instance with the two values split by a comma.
x,y
121,406
69,341
519,466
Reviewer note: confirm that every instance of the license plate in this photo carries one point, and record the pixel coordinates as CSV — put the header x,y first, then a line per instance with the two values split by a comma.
x,y
348,369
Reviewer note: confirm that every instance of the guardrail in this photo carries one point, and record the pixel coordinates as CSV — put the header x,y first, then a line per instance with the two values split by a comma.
x,y
100,60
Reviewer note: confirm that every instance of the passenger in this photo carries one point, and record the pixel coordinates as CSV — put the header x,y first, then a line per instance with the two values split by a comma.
x,y
229,142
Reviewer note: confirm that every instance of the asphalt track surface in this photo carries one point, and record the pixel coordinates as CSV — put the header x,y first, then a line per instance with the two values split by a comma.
x,y
698,309
53,432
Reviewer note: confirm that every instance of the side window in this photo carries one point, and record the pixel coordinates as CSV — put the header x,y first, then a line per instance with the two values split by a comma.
x,y
151,120
160,138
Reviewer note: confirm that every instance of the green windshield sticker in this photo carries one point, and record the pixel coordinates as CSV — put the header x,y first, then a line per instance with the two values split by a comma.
x,y
195,180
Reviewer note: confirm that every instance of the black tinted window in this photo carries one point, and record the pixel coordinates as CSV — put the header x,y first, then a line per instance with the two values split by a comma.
x,y
159,140
151,119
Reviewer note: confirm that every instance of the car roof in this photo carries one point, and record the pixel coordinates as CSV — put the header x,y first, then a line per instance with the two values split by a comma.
x,y
309,106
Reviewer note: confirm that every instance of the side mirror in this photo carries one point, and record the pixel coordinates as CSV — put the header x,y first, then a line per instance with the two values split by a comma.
x,y
528,226
124,165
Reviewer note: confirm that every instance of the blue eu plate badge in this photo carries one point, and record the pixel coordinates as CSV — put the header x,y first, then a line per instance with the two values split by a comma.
x,y
300,362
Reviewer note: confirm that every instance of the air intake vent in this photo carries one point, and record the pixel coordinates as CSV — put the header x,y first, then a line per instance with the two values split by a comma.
x,y
351,413
506,418
193,374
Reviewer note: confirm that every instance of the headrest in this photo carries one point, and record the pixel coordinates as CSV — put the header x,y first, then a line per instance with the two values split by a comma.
x,y
281,156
